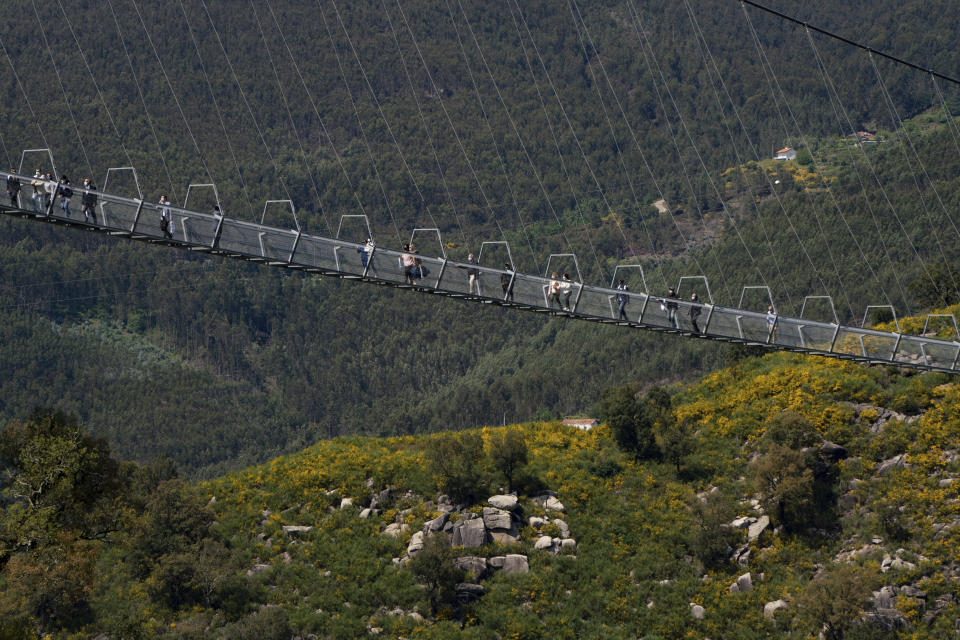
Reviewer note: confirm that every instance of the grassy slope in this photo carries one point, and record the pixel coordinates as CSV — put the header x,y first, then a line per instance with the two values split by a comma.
x,y
632,528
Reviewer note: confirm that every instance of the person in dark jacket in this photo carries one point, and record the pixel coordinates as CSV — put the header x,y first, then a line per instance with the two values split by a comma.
x,y
695,310
13,189
506,281
65,193
89,201
672,307
622,300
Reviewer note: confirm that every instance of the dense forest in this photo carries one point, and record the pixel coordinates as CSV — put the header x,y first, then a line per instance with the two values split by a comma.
x,y
555,127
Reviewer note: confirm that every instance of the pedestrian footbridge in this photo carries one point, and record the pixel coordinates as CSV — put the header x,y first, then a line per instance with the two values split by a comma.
x,y
134,219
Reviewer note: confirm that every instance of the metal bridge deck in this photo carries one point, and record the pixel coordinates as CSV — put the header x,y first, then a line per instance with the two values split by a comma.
x,y
292,249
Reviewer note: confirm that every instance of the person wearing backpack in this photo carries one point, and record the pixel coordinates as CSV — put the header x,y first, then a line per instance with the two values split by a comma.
x,y
13,189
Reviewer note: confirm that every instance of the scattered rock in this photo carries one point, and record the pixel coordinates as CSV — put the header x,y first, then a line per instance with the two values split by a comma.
x,y
504,501
294,529
395,529
468,592
742,521
258,567
476,566
758,527
832,452
885,612
912,592
437,523
697,611
504,537
285,557
536,521
469,533
549,502
416,543
543,543
771,608
899,461
515,563
365,513
346,502
568,544
495,518
496,562
563,527
742,555
745,582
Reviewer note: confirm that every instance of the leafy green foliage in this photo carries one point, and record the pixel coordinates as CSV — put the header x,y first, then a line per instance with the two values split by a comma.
x,y
631,419
836,599
456,460
433,566
508,454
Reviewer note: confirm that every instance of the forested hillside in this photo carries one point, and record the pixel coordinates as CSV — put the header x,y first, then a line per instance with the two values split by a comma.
x,y
783,497
552,126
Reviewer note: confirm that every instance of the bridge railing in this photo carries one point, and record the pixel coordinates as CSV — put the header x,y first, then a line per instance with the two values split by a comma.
x,y
119,215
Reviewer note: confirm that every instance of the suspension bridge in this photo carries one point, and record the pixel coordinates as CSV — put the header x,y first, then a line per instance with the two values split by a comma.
x,y
134,219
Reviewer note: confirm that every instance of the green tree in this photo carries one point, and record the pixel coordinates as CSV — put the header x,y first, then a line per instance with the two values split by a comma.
x,y
790,429
835,600
676,441
508,454
455,460
630,420
711,538
56,479
433,566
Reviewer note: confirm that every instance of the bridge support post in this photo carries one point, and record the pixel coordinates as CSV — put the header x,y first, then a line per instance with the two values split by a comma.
x,y
509,291
643,309
706,325
136,217
896,347
443,267
836,332
216,234
577,300
366,267
296,241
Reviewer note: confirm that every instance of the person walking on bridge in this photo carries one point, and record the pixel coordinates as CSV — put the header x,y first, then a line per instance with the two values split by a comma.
x,y
695,310
50,192
38,192
672,307
13,188
506,281
88,203
65,193
622,300
473,275
554,291
166,218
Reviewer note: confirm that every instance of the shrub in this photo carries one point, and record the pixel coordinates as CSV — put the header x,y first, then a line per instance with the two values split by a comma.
x,y
795,488
710,538
630,420
836,599
456,461
508,454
